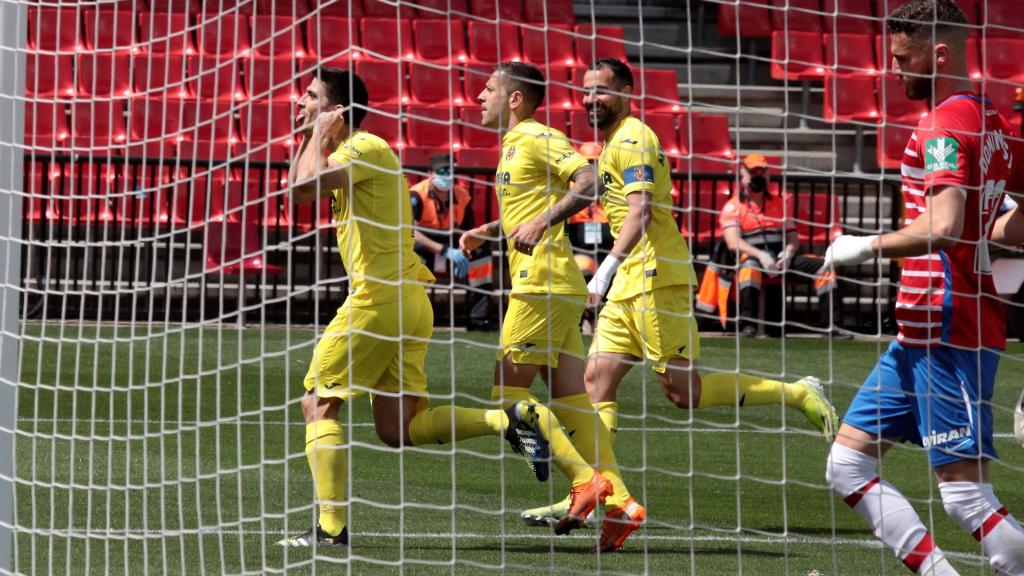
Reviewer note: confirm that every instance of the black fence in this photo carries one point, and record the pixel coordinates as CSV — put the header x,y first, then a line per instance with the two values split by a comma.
x,y
170,240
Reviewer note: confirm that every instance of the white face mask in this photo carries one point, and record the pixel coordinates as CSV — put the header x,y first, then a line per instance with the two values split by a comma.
x,y
442,182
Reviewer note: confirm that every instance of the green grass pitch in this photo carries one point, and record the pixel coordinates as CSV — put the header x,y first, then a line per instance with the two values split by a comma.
x,y
181,452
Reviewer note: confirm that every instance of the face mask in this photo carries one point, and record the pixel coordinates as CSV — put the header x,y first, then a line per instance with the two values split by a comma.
x,y
442,182
758,183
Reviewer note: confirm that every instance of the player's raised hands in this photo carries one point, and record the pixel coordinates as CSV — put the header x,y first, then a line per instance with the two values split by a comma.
x,y
329,126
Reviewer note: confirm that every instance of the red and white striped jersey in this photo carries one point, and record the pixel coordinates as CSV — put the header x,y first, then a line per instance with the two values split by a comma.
x,y
947,296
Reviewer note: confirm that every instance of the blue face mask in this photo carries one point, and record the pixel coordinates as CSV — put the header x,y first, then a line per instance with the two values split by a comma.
x,y
442,182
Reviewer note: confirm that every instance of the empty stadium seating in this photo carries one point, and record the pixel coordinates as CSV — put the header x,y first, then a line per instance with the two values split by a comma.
x,y
432,85
852,17
750,18
109,29
850,98
599,42
166,33
892,141
49,75
277,36
490,43
549,46
440,40
850,54
270,78
387,38
104,74
336,39
159,76
797,55
796,15
54,29
224,34
548,11
659,88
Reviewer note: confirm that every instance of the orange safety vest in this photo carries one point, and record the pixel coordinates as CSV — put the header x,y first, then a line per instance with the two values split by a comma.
x,y
430,218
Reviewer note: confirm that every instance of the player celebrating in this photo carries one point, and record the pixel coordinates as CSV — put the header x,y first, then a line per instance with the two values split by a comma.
x,y
933,386
378,340
648,314
541,328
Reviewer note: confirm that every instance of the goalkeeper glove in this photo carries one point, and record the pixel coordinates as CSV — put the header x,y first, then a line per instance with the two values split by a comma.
x,y
848,250
602,279
460,264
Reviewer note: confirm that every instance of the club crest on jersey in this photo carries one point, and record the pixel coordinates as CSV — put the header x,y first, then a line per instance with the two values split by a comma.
x,y
510,153
941,154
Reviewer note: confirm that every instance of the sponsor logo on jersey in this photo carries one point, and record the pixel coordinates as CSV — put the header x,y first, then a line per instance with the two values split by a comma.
x,y
937,438
941,154
510,153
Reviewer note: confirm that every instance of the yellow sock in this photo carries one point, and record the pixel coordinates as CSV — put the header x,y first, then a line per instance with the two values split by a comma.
x,y
435,425
609,413
328,461
592,439
721,389
563,453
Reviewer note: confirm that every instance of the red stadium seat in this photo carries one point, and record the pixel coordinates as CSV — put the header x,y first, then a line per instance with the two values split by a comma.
x,y
209,121
189,150
98,124
599,42
49,75
226,34
971,10
894,104
664,127
558,93
109,29
46,125
54,29
215,78
818,219
177,6
440,40
233,248
490,43
165,33
432,127
428,85
475,135
388,9
581,130
850,54
750,19
157,75
474,78
560,11
850,98
1001,59
1002,95
157,119
892,141
1003,18
440,8
384,121
339,8
551,46
387,38
271,78
339,37
479,157
385,81
267,129
289,8
277,36
797,15
852,17
104,74
715,140
659,89
510,10
556,118
418,157
797,56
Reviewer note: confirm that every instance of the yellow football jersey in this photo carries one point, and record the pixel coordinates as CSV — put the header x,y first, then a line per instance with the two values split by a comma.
x,y
632,161
374,221
533,173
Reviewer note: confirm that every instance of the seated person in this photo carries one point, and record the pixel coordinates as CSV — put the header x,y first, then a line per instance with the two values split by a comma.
x,y
441,212
758,231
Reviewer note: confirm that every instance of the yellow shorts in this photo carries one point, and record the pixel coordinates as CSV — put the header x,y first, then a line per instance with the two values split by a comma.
x,y
363,350
539,327
658,326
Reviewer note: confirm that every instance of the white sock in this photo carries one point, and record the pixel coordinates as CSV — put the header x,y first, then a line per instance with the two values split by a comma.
x,y
853,476
976,509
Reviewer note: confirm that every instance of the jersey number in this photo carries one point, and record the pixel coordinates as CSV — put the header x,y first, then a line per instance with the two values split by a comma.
x,y
991,196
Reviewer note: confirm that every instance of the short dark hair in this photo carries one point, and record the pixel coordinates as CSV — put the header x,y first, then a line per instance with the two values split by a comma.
x,y
619,69
525,78
918,18
345,88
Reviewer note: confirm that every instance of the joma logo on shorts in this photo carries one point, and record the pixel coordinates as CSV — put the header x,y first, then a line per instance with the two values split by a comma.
x,y
934,439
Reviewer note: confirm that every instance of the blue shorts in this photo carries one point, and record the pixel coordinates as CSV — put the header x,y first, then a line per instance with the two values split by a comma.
x,y
939,398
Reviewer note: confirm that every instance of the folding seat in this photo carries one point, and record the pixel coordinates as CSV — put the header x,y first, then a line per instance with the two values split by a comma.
x,y
387,39
852,17
290,8
894,104
98,125
474,79
49,75
599,42
441,8
175,6
511,10
659,90
338,37
1001,59
797,56
268,129
892,141
580,128
796,15
189,150
105,74
233,248
389,10
1002,95
558,93
430,85
850,54
556,118
385,122
385,81
417,158
749,19
850,98
226,34
432,127
490,43
270,78
156,124
664,126
440,40
478,157
338,8
550,46
277,36
160,76
54,29
165,33
1003,18
474,134
109,29
548,11
215,78
46,125
209,121
818,219
715,139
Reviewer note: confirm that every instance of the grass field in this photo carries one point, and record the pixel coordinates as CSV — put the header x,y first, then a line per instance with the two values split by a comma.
x,y
182,453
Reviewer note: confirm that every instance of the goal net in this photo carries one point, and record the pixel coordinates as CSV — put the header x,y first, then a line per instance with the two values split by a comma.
x,y
164,292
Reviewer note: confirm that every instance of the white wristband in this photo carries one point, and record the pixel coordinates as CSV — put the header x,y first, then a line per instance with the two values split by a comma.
x,y
603,277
